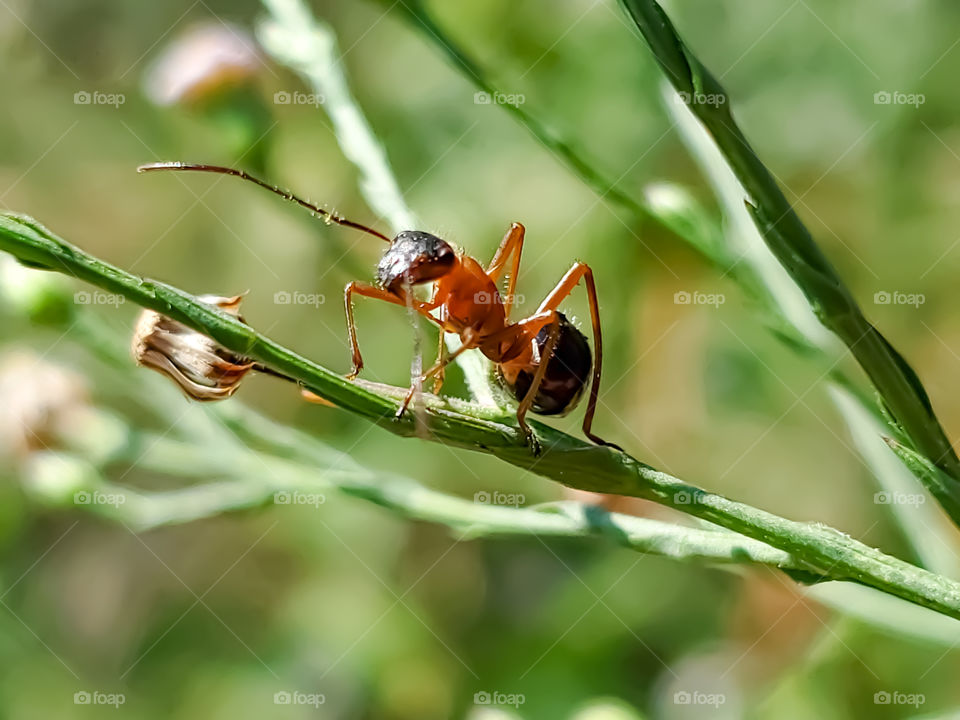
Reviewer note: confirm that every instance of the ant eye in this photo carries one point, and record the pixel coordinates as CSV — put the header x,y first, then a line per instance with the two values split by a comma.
x,y
415,257
567,374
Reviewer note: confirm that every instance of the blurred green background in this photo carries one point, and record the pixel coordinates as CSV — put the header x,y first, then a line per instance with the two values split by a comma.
x,y
392,619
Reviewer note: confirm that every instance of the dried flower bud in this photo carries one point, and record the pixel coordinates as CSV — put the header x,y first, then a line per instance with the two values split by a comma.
x,y
204,369
36,397
204,60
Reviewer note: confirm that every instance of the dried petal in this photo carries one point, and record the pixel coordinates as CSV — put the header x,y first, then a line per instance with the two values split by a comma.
x,y
204,369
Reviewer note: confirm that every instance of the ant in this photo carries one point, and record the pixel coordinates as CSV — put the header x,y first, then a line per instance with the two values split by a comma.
x,y
543,359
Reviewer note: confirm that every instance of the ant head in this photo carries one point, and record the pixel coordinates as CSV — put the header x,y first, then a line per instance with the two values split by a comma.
x,y
415,257
566,376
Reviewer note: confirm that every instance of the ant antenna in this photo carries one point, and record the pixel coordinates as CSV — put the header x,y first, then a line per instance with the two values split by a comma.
x,y
285,194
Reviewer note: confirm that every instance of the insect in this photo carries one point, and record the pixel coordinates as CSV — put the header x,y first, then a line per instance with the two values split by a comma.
x,y
542,359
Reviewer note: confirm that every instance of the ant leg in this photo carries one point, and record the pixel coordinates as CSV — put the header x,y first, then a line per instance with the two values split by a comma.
x,y
528,328
527,402
510,246
566,285
441,354
437,369
372,291
534,323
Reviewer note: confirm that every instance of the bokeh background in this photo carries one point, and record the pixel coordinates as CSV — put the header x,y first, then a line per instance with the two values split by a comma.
x,y
389,618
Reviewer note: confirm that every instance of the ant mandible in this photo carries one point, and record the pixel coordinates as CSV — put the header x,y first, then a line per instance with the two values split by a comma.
x,y
543,359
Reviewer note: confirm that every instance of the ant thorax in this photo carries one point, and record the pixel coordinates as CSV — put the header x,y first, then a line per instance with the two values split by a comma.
x,y
472,306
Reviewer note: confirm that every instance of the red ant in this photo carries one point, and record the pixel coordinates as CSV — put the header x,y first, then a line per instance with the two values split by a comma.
x,y
542,359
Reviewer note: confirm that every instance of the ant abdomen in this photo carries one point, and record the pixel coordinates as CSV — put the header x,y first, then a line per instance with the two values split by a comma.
x,y
567,374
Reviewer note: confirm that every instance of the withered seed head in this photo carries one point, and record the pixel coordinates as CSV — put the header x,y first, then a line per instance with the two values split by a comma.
x,y
201,62
204,369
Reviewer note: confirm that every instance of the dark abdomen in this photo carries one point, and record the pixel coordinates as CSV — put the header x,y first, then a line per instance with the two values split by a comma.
x,y
567,374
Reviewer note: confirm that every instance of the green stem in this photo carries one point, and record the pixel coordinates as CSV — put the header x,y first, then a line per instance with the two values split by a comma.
x,y
566,519
297,463
603,186
819,549
793,321
794,247
781,228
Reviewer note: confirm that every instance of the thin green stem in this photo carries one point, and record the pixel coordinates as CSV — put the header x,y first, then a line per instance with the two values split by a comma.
x,y
290,467
794,247
254,461
420,18
819,549
788,312
786,236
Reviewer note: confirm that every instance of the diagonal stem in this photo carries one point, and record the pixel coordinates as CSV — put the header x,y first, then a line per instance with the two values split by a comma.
x,y
789,240
820,550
